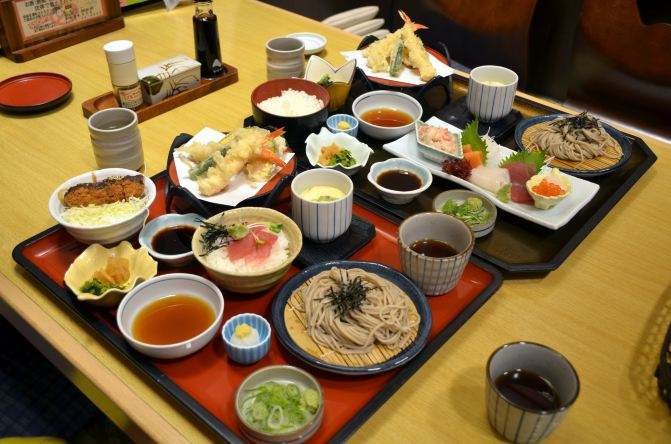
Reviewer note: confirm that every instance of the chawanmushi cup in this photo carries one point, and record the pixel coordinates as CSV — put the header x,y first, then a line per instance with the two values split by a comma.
x,y
516,422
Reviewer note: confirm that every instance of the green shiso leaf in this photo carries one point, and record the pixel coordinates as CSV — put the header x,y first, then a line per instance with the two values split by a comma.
x,y
537,158
470,136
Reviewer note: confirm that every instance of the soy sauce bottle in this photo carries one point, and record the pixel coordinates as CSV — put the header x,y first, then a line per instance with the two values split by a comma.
x,y
206,40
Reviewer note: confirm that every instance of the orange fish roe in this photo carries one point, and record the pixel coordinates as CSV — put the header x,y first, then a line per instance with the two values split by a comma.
x,y
547,188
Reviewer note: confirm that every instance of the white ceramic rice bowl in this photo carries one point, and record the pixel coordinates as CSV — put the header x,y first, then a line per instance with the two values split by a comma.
x,y
106,234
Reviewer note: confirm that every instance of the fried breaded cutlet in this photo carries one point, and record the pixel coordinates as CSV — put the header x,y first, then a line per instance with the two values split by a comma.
x,y
112,189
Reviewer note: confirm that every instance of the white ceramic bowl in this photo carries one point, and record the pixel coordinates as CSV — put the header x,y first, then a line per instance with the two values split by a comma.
x,y
386,99
396,163
247,354
158,288
322,221
460,196
315,142
165,221
434,154
106,234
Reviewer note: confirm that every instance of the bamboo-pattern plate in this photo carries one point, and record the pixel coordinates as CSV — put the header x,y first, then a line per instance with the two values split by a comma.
x,y
291,331
587,168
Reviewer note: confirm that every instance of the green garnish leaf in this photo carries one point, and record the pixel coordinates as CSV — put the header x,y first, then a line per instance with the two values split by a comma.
x,y
97,287
275,228
470,211
344,158
504,193
325,81
470,136
537,158
238,231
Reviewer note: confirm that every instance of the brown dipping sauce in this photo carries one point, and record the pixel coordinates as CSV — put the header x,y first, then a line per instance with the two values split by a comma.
x,y
387,117
173,240
399,180
172,319
528,390
433,248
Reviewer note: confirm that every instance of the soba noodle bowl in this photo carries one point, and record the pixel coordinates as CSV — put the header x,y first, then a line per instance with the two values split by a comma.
x,y
382,317
576,138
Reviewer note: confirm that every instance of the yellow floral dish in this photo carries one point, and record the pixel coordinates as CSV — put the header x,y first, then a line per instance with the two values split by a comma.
x,y
96,260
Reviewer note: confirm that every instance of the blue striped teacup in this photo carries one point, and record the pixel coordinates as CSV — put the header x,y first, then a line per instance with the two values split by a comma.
x,y
521,423
491,92
322,221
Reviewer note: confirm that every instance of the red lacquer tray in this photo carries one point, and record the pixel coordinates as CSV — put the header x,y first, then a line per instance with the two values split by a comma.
x,y
205,382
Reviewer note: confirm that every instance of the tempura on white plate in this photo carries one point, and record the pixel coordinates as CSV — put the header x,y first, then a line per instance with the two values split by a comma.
x,y
401,46
256,151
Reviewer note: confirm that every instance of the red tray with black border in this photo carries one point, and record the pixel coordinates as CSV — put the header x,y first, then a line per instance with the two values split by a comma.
x,y
205,382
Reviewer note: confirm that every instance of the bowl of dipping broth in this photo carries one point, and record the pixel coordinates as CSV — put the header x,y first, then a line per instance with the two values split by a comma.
x,y
386,115
168,237
171,316
299,106
435,249
288,387
321,203
399,180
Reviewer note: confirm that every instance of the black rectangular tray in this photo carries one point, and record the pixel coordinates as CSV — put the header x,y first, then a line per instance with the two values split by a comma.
x,y
518,246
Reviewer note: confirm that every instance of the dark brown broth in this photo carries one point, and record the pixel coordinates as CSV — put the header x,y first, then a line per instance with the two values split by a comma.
x,y
387,117
399,180
173,240
433,248
528,390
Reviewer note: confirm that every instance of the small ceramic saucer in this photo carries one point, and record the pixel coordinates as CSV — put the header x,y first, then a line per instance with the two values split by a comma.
x,y
314,43
34,92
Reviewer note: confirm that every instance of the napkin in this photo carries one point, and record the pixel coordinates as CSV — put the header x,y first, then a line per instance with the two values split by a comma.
x,y
239,188
407,75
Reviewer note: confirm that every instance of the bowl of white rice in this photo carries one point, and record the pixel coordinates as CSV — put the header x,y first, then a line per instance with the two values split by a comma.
x,y
102,224
247,273
299,106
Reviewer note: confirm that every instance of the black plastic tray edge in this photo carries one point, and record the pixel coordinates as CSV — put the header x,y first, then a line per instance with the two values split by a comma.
x,y
146,366
379,207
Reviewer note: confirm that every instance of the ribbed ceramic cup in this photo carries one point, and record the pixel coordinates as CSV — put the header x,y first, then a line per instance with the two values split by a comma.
x,y
518,424
433,275
322,221
116,140
285,58
491,92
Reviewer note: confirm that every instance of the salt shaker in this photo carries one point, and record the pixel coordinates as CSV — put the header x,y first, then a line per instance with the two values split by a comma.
x,y
123,73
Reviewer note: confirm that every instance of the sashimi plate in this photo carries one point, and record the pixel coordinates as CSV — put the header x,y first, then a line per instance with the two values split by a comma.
x,y
582,190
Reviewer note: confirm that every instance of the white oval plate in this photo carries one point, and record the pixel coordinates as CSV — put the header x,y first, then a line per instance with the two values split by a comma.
x,y
314,43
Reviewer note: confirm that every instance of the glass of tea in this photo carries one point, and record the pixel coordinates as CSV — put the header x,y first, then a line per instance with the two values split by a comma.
x,y
530,388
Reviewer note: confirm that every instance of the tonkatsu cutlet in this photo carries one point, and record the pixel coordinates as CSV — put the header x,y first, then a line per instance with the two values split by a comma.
x,y
113,189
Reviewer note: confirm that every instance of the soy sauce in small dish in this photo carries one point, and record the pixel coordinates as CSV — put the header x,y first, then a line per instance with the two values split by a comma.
x,y
528,390
173,240
433,248
387,117
399,180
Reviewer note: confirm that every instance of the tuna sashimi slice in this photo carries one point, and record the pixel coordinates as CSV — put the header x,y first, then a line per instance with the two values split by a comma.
x,y
519,194
521,172
262,248
241,248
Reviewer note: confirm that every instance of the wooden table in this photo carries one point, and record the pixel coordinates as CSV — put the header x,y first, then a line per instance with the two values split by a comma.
x,y
606,308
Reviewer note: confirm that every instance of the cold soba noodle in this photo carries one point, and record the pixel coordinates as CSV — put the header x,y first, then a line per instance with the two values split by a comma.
x,y
343,317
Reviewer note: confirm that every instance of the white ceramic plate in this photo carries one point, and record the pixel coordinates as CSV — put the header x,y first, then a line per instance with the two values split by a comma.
x,y
407,75
554,218
314,43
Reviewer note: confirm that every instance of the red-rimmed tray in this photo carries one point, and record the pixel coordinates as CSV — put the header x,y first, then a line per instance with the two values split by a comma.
x,y
206,381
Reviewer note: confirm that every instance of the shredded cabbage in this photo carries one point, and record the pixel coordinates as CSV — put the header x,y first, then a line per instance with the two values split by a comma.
x,y
106,214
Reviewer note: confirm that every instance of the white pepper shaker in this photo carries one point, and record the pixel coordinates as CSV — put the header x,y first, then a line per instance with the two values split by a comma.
x,y
123,73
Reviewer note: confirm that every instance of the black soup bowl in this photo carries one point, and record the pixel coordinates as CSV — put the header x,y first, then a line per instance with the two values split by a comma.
x,y
297,128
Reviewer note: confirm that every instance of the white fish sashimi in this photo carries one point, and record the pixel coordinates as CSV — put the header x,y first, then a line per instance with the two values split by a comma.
x,y
494,152
489,178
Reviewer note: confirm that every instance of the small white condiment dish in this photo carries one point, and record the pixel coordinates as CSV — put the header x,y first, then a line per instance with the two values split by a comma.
x,y
434,154
247,354
399,197
315,142
333,121
162,222
460,196
104,234
322,221
314,43
386,99
159,288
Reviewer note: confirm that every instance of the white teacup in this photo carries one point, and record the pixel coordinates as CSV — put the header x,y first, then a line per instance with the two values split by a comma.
x,y
322,221
491,92
116,140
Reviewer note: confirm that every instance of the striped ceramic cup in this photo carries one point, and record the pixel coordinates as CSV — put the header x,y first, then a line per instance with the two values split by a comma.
x,y
322,221
515,420
491,92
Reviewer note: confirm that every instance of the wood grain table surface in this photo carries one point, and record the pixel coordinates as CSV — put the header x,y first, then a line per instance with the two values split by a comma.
x,y
606,308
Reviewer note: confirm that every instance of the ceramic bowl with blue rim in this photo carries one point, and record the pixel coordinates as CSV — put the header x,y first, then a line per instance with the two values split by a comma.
x,y
247,354
399,164
343,123
165,222
620,138
279,305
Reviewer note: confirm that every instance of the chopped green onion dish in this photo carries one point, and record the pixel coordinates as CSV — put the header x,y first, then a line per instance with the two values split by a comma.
x,y
471,211
279,408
